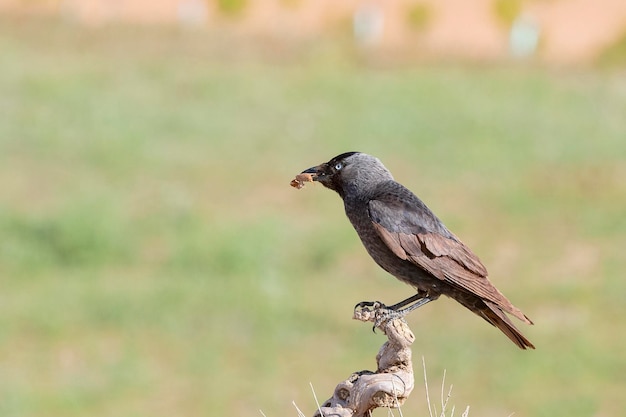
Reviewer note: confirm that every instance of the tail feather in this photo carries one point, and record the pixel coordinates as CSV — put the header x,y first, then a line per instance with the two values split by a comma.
x,y
494,315
510,308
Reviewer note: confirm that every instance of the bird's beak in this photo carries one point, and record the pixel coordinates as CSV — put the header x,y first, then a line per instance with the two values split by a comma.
x,y
316,172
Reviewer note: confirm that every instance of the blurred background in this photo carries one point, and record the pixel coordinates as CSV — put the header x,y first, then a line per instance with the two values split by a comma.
x,y
155,262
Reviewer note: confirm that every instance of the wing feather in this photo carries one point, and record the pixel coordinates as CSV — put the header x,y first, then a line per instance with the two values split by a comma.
x,y
437,252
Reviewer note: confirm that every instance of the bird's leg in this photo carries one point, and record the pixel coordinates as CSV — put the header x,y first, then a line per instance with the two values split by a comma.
x,y
418,300
417,297
421,295
382,313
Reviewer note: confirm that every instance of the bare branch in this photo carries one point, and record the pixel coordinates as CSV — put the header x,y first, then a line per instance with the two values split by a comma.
x,y
393,380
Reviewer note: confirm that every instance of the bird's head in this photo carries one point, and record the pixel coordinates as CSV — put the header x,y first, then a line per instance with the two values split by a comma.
x,y
349,173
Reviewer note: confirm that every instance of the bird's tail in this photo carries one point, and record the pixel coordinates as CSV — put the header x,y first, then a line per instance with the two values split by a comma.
x,y
494,315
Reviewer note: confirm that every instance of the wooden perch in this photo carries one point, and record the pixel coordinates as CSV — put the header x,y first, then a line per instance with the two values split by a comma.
x,y
392,382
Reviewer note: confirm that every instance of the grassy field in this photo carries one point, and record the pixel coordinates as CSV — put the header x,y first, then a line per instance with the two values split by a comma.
x,y
155,262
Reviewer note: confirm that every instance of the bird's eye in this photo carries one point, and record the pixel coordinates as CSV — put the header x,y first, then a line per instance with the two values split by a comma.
x,y
338,166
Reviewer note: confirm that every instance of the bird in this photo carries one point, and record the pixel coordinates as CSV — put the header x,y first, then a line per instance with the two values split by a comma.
x,y
406,239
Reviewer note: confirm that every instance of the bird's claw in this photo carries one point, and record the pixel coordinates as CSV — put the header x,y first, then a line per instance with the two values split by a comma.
x,y
376,312
384,315
366,311
373,304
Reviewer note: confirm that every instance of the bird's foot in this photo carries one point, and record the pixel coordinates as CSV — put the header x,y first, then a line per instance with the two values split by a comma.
x,y
366,310
376,312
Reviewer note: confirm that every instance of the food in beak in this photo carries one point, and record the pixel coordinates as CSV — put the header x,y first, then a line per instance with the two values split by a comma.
x,y
300,179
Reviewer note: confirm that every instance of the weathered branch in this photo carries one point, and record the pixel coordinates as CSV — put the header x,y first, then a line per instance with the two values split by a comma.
x,y
393,380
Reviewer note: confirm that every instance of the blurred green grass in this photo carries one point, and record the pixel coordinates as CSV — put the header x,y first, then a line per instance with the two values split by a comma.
x,y
154,260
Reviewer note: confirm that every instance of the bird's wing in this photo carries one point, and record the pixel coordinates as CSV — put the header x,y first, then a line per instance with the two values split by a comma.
x,y
414,233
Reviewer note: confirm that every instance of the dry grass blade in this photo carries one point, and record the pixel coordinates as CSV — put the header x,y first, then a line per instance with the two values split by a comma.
x,y
395,395
444,403
430,410
445,399
319,408
300,413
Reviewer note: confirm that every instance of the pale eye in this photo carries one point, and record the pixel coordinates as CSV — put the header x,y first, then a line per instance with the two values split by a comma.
x,y
338,166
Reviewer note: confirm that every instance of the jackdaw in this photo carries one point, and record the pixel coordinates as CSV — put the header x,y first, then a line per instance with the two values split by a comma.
x,y
407,240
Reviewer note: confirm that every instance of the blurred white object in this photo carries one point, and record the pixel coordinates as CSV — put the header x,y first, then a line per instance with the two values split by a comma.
x,y
192,12
368,23
524,36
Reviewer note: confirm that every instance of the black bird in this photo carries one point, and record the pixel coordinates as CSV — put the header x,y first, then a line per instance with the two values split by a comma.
x,y
407,240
